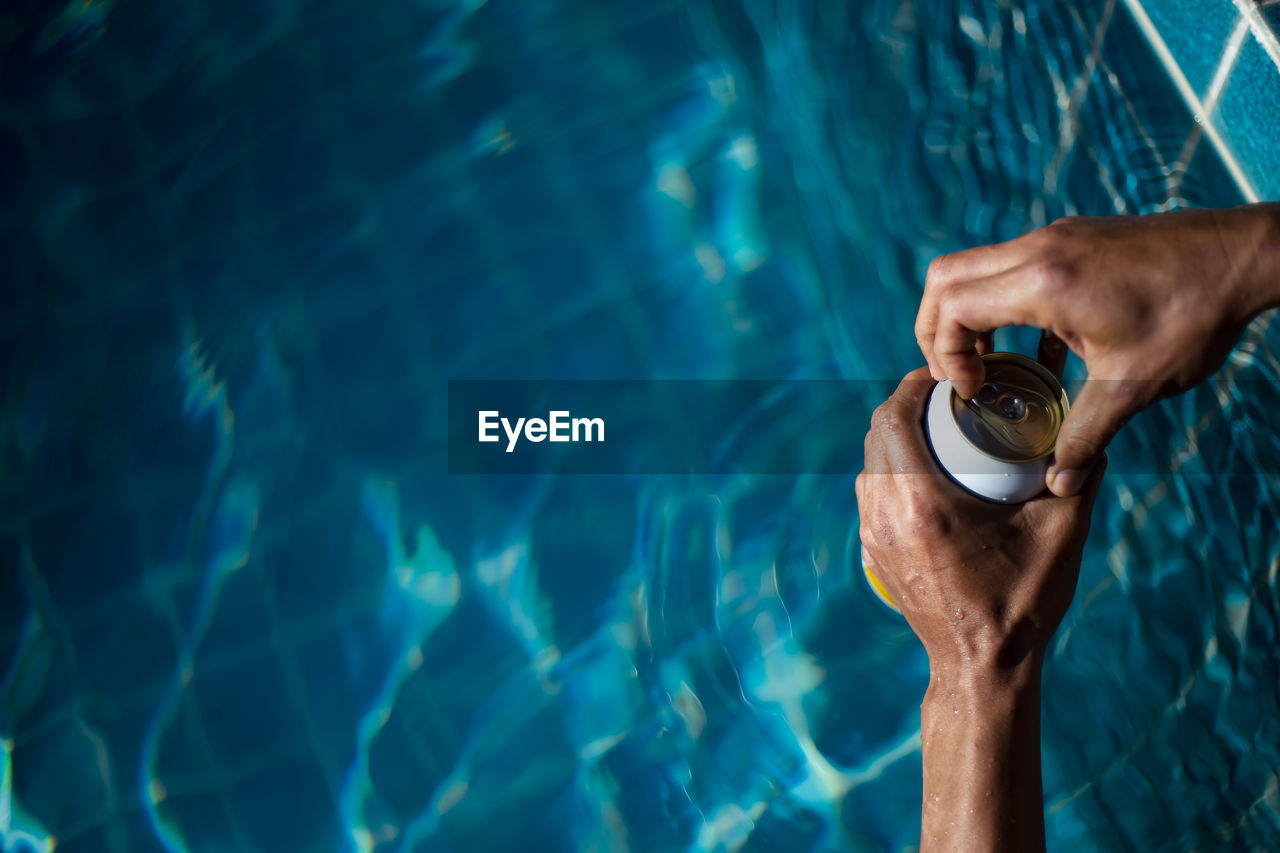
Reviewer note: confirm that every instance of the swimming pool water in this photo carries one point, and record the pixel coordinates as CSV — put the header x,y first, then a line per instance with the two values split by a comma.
x,y
245,608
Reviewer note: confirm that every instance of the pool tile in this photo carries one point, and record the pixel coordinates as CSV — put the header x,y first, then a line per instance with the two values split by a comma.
x,y
1196,34
1248,117
105,836
295,785
1271,14
1132,127
1207,183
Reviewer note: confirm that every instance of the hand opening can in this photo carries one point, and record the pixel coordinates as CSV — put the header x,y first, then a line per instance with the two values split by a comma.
x,y
997,445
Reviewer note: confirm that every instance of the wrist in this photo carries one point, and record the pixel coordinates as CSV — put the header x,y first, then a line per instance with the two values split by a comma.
x,y
1259,251
989,656
981,683
980,745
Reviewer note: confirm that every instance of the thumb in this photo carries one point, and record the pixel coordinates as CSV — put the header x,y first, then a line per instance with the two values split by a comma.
x,y
1098,412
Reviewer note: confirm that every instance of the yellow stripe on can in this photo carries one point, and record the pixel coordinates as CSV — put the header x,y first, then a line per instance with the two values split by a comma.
x,y
879,589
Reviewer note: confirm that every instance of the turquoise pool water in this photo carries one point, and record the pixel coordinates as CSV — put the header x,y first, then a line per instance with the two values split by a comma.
x,y
246,245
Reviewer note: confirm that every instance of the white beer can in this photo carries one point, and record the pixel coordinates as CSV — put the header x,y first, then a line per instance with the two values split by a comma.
x,y
997,445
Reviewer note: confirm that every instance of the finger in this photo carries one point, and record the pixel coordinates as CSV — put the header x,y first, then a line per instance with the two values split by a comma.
x,y
956,268
1098,412
901,425
986,343
869,561
955,349
927,317
903,411
1044,509
978,262
877,577
966,312
914,384
925,329
1088,491
874,460
1052,353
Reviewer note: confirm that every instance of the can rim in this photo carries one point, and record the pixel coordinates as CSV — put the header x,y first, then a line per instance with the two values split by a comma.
x,y
1035,367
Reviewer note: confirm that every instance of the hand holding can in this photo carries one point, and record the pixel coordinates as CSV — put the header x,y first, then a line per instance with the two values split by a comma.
x,y
984,586
1152,304
972,577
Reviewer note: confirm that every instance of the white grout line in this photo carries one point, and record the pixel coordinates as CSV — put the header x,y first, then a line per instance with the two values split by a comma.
x,y
1189,96
1069,115
1270,43
1114,82
1228,62
1220,75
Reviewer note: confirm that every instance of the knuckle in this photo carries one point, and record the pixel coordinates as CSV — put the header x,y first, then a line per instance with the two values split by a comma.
x,y
936,275
887,418
1052,273
867,536
924,332
949,322
922,516
881,527
1063,224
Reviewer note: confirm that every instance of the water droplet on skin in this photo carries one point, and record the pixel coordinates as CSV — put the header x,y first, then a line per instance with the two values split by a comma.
x,y
959,613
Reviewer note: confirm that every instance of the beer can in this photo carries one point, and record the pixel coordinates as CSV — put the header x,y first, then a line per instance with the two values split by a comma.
x,y
997,445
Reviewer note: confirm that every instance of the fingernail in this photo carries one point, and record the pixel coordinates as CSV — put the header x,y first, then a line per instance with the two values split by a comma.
x,y
966,388
1066,483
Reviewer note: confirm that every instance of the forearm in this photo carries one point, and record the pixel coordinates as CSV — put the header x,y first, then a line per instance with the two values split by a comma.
x,y
980,733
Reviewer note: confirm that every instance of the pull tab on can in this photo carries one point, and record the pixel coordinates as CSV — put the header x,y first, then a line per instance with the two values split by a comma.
x,y
997,445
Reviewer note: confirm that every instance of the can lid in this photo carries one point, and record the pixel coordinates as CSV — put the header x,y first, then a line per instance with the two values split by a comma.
x,y
1016,413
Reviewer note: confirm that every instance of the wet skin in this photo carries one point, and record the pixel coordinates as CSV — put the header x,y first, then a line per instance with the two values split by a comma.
x,y
984,586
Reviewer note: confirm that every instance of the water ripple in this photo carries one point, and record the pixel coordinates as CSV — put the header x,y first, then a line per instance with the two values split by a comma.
x,y
244,590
